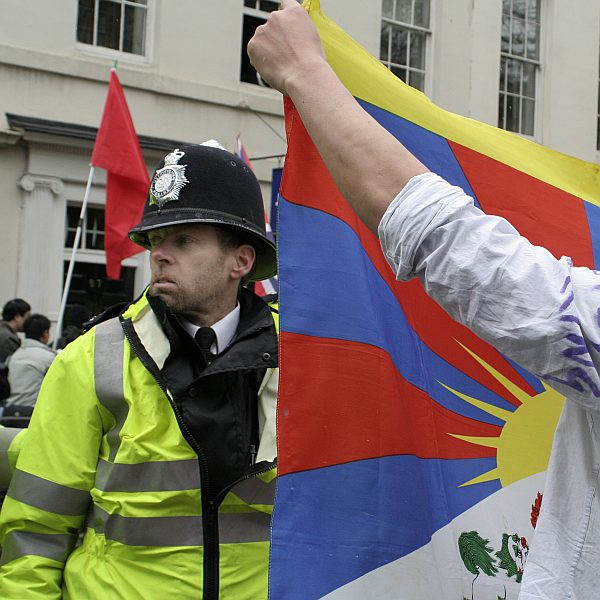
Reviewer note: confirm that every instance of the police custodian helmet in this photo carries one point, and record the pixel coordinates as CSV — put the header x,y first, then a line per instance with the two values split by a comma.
x,y
206,184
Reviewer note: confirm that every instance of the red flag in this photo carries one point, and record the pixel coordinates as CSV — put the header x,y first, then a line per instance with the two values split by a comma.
x,y
117,150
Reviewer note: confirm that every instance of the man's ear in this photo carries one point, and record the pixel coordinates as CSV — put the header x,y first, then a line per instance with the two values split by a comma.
x,y
244,257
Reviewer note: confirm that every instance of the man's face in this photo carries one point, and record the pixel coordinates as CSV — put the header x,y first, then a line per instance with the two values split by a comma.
x,y
19,320
191,271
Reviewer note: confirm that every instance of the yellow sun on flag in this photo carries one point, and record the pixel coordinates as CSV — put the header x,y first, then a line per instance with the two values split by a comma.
x,y
523,446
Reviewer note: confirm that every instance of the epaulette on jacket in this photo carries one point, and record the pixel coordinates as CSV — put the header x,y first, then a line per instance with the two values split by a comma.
x,y
112,311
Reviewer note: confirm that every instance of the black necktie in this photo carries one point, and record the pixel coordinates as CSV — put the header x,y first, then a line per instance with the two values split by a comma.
x,y
205,338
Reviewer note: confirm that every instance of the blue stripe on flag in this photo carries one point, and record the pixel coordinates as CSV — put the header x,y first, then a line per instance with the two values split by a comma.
x,y
337,301
343,521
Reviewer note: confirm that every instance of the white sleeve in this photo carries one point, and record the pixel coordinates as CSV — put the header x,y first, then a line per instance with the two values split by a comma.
x,y
540,311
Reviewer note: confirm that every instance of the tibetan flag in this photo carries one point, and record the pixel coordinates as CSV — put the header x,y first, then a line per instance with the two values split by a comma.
x,y
412,455
270,286
117,149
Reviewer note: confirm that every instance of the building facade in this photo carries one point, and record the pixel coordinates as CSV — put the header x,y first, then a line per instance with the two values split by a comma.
x,y
530,66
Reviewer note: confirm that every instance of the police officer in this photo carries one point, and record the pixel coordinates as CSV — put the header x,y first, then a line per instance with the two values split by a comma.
x,y
154,432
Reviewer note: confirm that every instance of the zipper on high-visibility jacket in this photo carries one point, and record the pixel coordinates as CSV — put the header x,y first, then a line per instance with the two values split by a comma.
x,y
210,531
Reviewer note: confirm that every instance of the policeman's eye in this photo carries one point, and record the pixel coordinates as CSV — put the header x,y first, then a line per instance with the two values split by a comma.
x,y
182,240
154,240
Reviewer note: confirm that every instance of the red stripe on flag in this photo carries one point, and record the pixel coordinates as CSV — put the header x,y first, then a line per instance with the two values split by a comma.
x,y
535,208
371,411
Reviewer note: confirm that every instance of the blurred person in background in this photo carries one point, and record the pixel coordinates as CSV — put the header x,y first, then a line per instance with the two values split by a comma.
x,y
14,314
27,368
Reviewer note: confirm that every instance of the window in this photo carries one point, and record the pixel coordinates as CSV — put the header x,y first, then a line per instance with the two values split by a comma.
x,y
519,65
404,33
116,24
255,14
92,234
89,285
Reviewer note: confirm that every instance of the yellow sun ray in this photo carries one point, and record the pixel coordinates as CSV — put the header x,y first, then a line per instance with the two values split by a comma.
x,y
523,446
495,411
488,442
508,385
483,478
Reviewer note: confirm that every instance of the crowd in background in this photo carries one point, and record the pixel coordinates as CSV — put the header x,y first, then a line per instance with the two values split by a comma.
x,y
26,354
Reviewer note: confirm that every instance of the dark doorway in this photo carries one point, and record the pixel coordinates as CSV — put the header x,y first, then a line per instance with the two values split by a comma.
x,y
91,288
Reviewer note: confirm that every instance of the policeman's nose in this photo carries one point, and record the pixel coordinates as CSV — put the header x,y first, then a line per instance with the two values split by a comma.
x,y
160,253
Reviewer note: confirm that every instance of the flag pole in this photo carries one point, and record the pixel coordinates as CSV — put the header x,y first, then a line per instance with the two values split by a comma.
x,y
65,293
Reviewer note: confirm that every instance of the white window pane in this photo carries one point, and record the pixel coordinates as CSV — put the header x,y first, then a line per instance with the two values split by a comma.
x,y
422,13
417,50
513,77
416,79
399,46
505,41
85,22
385,41
518,37
404,11
533,41
109,24
519,8
387,9
512,113
528,80
134,32
528,110
533,10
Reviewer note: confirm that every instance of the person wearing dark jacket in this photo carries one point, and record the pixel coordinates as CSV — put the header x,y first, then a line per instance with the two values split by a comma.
x,y
154,432
14,314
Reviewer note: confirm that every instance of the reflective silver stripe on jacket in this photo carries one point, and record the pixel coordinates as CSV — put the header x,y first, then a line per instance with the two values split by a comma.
x,y
109,348
255,491
179,531
148,477
55,546
166,476
47,495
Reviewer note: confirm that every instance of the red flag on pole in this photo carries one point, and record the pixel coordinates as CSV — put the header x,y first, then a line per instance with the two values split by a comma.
x,y
117,150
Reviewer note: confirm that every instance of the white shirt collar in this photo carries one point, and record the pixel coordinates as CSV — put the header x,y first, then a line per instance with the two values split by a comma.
x,y
224,329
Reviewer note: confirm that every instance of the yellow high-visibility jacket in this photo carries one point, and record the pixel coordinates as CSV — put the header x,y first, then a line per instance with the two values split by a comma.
x,y
105,454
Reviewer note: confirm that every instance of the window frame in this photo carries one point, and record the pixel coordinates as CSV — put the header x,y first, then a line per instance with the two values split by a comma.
x,y
119,55
409,28
75,207
503,92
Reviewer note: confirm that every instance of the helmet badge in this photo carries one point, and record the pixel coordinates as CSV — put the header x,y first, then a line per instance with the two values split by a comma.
x,y
168,181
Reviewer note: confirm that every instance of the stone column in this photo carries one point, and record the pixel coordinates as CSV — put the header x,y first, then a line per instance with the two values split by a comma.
x,y
41,243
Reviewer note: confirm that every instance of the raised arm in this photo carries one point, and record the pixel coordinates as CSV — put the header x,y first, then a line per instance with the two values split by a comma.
x,y
371,166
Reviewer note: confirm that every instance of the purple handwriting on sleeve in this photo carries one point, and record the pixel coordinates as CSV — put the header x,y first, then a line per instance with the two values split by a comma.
x,y
579,352
574,378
